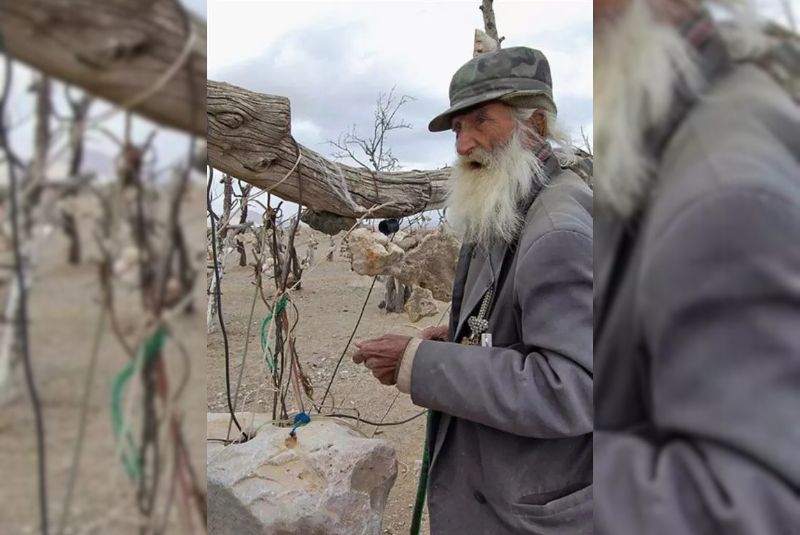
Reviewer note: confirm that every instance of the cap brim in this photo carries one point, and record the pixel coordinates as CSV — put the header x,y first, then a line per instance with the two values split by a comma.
x,y
443,121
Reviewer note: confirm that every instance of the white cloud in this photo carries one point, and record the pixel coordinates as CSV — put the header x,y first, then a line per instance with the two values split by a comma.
x,y
332,58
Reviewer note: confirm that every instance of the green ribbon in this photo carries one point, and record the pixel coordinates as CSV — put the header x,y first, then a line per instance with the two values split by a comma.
x,y
151,348
280,306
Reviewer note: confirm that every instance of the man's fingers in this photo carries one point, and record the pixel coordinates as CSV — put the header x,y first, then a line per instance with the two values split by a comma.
x,y
359,357
386,378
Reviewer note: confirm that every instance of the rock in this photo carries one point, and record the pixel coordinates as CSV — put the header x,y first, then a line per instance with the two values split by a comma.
x,y
327,222
333,481
431,264
371,253
420,304
408,242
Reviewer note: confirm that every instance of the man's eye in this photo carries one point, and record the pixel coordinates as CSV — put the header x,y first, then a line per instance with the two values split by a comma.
x,y
456,128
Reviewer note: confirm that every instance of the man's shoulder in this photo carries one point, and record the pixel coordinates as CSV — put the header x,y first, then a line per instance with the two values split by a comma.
x,y
564,205
744,136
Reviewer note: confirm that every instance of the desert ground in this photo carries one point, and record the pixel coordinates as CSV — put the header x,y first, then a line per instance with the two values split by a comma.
x,y
329,304
63,318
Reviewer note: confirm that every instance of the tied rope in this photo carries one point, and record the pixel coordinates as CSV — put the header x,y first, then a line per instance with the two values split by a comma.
x,y
151,348
280,306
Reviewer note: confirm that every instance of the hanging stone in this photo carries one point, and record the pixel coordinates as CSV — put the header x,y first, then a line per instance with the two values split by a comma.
x,y
327,222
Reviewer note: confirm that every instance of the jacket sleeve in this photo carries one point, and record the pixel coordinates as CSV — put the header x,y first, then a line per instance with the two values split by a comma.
x,y
720,302
543,386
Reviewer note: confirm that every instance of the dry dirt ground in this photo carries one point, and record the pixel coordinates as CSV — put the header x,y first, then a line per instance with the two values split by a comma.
x,y
63,318
329,303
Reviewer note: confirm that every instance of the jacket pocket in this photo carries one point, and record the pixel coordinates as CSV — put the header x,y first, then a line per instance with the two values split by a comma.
x,y
527,506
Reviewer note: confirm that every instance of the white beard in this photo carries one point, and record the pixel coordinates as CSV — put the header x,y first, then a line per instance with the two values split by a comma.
x,y
483,203
637,63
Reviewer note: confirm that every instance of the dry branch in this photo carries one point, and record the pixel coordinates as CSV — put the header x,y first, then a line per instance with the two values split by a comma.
x,y
249,137
489,23
115,49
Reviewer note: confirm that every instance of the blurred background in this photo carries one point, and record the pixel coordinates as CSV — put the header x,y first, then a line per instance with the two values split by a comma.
x,y
102,252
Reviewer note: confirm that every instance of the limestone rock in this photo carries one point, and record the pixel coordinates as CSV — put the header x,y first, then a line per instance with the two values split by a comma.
x,y
431,264
421,304
332,481
371,252
407,243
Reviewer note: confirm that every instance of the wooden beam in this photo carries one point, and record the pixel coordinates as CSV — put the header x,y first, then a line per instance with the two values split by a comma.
x,y
118,50
249,137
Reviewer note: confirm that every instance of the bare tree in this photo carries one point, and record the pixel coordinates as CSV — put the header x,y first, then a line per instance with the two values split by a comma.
x,y
79,108
374,154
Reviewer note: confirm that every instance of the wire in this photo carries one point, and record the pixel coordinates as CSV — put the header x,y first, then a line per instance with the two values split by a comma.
x,y
385,414
22,316
228,442
355,327
82,420
346,347
377,424
218,299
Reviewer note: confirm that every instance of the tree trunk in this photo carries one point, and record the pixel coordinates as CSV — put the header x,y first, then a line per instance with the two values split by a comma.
x,y
118,50
69,224
396,295
243,203
8,357
227,205
70,227
488,20
186,271
249,137
32,188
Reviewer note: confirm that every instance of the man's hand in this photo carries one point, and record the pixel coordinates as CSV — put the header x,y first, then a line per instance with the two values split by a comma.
x,y
382,356
437,332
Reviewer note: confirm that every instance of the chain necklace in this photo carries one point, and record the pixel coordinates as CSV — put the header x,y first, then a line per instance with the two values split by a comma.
x,y
480,324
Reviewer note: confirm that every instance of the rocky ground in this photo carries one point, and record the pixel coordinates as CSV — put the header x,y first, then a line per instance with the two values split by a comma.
x,y
329,304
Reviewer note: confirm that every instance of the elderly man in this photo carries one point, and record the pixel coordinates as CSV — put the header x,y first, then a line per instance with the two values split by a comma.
x,y
697,311
509,382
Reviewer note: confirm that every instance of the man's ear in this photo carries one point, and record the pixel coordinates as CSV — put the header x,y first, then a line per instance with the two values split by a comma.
x,y
538,121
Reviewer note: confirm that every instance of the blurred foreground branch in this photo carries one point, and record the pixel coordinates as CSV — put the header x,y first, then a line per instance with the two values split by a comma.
x,y
125,51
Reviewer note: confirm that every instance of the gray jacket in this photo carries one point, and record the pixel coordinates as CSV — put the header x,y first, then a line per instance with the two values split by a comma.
x,y
697,335
511,441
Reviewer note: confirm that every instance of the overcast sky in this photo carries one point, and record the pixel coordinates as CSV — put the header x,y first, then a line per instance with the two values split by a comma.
x,y
333,58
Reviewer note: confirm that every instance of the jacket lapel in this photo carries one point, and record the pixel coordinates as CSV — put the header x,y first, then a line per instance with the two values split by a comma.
x,y
458,287
489,274
614,240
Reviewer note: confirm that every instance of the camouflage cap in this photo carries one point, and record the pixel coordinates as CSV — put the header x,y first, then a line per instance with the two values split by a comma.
x,y
510,75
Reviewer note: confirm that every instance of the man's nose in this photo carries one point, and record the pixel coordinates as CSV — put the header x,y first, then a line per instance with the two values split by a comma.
x,y
465,144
